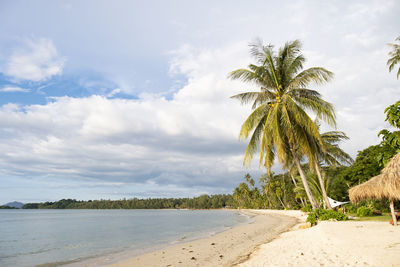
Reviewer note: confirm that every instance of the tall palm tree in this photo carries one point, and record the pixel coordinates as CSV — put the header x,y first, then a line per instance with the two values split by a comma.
x,y
394,56
331,154
279,122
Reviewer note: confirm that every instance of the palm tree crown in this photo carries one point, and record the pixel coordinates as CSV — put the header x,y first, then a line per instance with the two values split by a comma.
x,y
279,121
333,154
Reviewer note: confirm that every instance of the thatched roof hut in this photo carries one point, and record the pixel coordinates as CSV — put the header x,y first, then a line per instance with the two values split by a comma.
x,y
391,178
371,189
384,185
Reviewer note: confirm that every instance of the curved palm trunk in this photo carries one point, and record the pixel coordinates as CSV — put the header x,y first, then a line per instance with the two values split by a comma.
x,y
295,184
322,184
314,203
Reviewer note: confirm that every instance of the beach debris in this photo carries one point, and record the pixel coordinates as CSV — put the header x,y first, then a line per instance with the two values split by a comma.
x,y
190,251
212,244
193,258
221,256
302,254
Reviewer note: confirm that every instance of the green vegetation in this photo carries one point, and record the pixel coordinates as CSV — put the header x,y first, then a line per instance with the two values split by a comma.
x,y
391,140
276,192
7,207
201,202
364,211
324,215
380,218
286,191
306,208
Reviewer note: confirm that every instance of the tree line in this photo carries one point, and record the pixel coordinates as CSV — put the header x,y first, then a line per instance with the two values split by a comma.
x,y
201,202
284,191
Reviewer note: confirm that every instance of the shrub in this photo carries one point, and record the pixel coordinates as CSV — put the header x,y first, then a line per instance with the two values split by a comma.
x,y
350,208
331,214
324,215
312,218
307,208
364,211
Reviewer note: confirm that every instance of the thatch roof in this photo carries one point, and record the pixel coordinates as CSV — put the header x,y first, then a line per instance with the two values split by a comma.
x,y
369,189
384,185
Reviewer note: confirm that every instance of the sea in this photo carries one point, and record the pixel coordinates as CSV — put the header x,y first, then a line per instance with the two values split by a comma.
x,y
49,238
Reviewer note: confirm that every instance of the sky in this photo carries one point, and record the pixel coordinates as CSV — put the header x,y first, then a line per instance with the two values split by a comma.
x,y
121,99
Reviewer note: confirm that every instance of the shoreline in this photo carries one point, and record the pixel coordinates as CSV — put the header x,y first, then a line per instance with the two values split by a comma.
x,y
110,258
280,238
227,248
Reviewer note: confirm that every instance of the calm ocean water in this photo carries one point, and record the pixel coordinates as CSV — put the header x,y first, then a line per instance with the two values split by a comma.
x,y
55,237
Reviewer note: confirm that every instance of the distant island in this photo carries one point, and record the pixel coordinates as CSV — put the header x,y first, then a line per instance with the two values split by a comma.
x,y
12,205
201,202
7,207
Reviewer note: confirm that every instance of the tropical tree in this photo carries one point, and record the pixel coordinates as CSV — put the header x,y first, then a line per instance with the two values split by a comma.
x,y
279,124
394,55
315,186
390,139
331,154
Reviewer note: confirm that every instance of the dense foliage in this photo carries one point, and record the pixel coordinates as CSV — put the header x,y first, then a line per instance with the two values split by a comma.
x,y
391,139
201,202
7,207
323,215
364,211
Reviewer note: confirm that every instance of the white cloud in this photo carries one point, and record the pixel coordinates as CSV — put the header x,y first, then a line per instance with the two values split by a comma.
x,y
38,60
190,141
9,89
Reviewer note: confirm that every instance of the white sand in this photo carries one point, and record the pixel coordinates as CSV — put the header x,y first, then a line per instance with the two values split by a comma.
x,y
349,243
224,249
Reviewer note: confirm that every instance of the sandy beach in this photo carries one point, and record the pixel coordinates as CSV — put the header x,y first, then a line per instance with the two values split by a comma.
x,y
347,243
275,239
227,248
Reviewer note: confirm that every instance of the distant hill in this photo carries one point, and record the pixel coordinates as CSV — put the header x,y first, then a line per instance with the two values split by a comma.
x,y
15,204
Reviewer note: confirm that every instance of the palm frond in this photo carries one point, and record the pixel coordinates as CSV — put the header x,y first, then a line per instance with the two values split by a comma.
x,y
315,75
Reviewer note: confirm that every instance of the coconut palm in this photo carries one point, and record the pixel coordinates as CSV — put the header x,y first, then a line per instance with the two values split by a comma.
x,y
331,154
315,186
394,56
279,123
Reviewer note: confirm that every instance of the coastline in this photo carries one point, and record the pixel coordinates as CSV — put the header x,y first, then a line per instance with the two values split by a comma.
x,y
227,248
